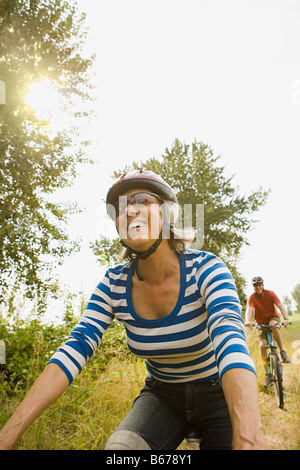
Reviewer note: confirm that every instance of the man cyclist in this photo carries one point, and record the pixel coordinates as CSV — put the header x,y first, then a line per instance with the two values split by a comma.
x,y
262,306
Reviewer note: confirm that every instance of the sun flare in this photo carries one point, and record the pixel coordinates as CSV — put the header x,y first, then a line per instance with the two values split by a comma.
x,y
43,98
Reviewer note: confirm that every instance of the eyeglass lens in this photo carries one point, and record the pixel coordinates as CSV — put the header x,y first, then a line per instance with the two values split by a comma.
x,y
136,198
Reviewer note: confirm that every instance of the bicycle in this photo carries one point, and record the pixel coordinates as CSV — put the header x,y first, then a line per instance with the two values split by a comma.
x,y
273,362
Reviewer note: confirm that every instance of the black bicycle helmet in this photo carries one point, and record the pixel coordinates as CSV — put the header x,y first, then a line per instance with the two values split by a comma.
x,y
144,179
257,280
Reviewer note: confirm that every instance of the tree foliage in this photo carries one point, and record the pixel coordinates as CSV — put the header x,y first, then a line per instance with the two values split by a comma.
x,y
40,39
296,297
107,251
193,172
31,342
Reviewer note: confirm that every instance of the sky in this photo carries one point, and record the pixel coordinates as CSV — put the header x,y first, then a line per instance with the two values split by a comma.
x,y
226,73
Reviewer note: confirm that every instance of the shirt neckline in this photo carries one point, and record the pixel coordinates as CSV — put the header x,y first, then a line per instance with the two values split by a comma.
x,y
173,313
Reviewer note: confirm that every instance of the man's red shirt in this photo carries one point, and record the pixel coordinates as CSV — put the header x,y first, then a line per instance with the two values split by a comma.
x,y
264,306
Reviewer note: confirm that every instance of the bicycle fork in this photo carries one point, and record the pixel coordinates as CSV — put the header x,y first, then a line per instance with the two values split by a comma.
x,y
273,352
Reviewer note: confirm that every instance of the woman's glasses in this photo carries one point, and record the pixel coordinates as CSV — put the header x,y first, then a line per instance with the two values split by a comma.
x,y
141,197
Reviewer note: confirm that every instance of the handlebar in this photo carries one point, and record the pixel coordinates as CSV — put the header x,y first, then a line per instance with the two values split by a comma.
x,y
277,325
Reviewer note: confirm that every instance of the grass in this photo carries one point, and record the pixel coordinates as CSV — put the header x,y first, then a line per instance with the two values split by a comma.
x,y
89,411
281,427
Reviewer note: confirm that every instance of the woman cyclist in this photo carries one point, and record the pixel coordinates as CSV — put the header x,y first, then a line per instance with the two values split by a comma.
x,y
181,313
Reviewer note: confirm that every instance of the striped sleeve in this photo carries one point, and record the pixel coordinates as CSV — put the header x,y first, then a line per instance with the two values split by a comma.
x,y
87,334
224,321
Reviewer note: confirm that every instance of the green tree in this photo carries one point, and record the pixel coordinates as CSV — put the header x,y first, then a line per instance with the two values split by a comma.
x,y
107,251
40,39
287,302
193,172
296,297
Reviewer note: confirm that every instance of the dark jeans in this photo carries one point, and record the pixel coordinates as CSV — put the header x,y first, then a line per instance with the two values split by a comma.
x,y
162,412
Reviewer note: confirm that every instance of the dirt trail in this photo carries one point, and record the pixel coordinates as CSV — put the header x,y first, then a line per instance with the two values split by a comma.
x,y
281,426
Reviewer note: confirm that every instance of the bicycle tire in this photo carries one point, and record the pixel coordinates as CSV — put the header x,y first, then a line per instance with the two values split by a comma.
x,y
277,379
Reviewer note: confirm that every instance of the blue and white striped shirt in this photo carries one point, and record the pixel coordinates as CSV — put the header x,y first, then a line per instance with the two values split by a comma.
x,y
199,340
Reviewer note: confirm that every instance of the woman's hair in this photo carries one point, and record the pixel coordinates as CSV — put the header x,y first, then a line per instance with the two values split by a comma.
x,y
179,240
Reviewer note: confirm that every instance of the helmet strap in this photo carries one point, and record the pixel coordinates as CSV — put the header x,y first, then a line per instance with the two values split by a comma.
x,y
137,270
146,254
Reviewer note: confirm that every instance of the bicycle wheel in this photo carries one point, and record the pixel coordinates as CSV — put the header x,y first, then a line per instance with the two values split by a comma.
x,y
277,379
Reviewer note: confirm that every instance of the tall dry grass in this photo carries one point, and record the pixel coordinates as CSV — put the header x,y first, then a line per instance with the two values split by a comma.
x,y
281,426
89,411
